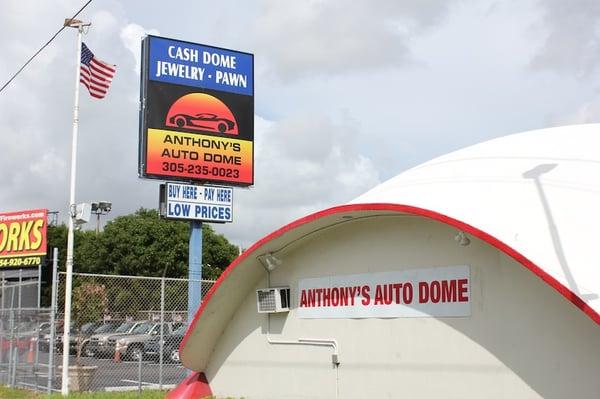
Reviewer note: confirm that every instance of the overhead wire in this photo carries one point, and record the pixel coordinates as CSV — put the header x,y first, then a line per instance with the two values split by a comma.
x,y
45,45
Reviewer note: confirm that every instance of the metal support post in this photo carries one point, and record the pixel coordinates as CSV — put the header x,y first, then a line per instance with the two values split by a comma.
x,y
13,379
20,291
39,288
161,343
17,332
52,319
38,312
72,211
140,372
195,269
12,333
3,323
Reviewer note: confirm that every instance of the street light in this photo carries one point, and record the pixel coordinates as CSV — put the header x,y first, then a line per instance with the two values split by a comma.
x,y
72,209
100,208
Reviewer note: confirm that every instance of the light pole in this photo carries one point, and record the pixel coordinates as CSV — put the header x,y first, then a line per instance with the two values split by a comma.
x,y
100,208
73,23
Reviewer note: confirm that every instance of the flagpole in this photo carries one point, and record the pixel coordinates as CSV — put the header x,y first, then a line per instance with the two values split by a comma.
x,y
72,213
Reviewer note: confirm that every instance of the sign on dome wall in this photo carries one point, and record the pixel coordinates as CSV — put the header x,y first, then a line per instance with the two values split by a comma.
x,y
429,292
23,238
197,113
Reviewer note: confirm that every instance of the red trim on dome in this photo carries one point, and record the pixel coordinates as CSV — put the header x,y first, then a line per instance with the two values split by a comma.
x,y
564,291
194,386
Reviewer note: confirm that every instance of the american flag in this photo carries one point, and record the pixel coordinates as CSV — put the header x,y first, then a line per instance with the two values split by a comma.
x,y
96,75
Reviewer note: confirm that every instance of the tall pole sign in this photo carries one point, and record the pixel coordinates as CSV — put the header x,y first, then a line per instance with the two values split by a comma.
x,y
196,126
197,113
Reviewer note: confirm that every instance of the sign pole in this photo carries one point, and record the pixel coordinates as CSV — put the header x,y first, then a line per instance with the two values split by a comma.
x,y
194,269
72,213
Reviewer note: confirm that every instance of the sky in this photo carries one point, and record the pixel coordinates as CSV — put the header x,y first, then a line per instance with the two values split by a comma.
x,y
347,94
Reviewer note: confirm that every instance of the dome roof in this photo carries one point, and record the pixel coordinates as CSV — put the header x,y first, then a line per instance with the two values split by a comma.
x,y
531,195
535,193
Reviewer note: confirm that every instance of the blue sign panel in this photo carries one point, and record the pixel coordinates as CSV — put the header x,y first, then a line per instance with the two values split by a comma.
x,y
190,64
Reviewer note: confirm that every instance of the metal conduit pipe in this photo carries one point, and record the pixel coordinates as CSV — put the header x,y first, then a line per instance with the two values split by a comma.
x,y
312,342
330,342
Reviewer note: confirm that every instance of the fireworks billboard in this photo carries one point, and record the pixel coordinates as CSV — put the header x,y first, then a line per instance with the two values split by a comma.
x,y
23,238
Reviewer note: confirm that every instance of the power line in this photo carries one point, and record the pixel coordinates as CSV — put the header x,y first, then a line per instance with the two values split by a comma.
x,y
45,45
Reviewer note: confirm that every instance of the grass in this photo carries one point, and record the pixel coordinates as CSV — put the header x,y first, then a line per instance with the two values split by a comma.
x,y
10,393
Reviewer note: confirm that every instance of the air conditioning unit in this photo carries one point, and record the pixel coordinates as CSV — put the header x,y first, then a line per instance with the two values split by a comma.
x,y
273,300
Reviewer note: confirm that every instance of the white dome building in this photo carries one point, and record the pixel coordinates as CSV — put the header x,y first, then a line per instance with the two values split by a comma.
x,y
473,275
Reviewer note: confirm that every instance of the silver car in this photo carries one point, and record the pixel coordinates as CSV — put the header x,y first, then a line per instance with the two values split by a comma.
x,y
99,345
131,346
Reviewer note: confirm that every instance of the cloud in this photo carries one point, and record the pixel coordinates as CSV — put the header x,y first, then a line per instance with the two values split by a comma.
x,y
131,36
339,104
572,37
37,108
307,38
588,112
47,167
104,23
314,155
302,165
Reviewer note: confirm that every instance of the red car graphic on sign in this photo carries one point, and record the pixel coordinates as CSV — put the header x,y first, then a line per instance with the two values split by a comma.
x,y
201,112
204,121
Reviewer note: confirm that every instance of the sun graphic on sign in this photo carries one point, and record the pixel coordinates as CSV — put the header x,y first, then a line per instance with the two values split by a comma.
x,y
203,112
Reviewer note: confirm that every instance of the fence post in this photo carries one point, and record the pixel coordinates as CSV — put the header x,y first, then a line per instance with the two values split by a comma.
x,y
3,323
39,292
39,315
15,363
12,334
161,344
52,319
140,372
19,319
20,290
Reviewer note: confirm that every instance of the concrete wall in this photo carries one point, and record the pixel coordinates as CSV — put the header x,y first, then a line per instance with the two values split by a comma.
x,y
523,340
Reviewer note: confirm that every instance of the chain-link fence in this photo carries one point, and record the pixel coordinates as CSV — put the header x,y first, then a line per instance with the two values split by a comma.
x,y
20,328
20,360
125,335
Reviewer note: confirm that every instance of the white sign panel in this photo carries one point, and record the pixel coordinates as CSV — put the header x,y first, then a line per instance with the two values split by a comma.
x,y
206,203
430,292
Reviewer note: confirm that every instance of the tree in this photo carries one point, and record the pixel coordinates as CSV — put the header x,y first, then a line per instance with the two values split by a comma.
x,y
57,238
217,253
90,303
142,244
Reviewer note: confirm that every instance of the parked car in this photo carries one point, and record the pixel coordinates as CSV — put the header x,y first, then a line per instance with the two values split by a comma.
x,y
44,336
84,333
131,346
44,339
99,346
170,350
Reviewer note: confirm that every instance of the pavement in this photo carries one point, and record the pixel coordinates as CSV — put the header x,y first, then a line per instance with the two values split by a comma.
x,y
107,376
